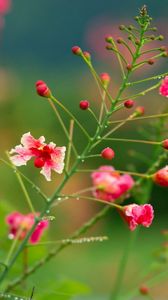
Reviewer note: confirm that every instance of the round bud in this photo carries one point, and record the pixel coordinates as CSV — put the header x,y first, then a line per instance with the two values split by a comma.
x,y
129,103
108,38
119,40
121,27
165,54
140,110
87,55
76,50
130,37
105,78
165,144
137,42
39,162
108,153
109,47
160,37
161,177
154,29
144,290
162,48
130,27
151,61
129,67
84,104
42,89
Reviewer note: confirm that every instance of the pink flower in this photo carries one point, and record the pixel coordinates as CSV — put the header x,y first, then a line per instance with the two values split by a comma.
x,y
5,6
109,184
161,177
164,87
19,226
136,215
46,156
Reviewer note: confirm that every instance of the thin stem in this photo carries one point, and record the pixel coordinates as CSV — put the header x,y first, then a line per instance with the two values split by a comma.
x,y
34,186
93,155
94,116
62,124
19,178
132,141
143,93
141,118
150,50
119,171
146,61
103,106
148,79
127,46
71,128
119,56
71,116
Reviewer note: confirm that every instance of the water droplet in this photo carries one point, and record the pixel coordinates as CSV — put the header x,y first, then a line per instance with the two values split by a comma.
x,y
105,126
77,198
48,199
59,199
82,160
11,236
47,211
66,198
159,77
14,171
99,137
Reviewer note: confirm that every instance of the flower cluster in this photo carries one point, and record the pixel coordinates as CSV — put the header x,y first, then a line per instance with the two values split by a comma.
x,y
164,87
20,225
46,156
109,184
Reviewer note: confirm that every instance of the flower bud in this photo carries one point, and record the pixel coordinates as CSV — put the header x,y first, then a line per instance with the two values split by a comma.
x,y
108,38
160,37
119,40
109,47
76,50
105,78
87,55
165,54
42,89
108,153
137,42
161,177
152,37
129,103
144,290
140,110
162,48
129,67
84,104
151,61
165,144
121,27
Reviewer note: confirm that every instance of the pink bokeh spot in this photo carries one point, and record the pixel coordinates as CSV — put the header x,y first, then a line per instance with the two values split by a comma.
x,y
5,6
136,215
46,156
19,226
109,184
163,90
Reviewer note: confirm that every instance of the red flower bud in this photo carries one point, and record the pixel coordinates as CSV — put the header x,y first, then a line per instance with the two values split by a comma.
x,y
151,61
119,40
129,67
42,89
165,144
129,103
108,153
105,78
161,177
140,110
84,104
76,50
144,290
39,162
87,55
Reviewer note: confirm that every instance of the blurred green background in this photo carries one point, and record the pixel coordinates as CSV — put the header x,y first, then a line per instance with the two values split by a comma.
x,y
36,44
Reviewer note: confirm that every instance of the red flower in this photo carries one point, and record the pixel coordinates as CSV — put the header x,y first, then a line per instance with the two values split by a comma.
x,y
136,215
164,87
19,226
161,177
47,156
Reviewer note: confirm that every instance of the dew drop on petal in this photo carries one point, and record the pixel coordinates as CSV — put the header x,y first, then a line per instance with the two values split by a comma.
x,y
11,236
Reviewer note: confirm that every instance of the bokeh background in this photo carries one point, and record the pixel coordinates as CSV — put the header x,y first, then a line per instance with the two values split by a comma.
x,y
35,43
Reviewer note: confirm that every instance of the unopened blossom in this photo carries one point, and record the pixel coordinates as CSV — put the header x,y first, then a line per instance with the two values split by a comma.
x,y
46,156
20,225
163,90
161,177
136,215
109,184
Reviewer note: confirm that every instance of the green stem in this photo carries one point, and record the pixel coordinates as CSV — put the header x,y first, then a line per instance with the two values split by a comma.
x,y
69,145
148,79
132,141
142,118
